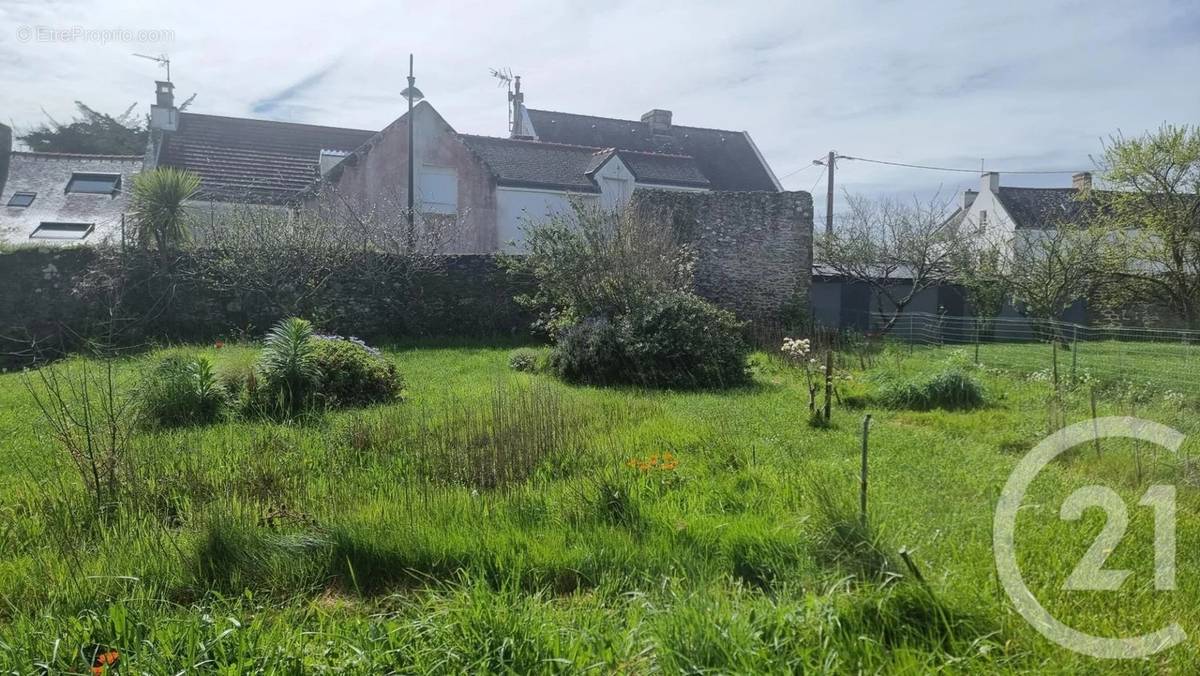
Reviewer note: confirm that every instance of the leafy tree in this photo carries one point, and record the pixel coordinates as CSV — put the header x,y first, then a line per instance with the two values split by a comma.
x,y
980,273
91,132
159,207
1151,219
594,262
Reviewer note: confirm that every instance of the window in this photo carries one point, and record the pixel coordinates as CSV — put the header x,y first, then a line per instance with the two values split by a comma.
x,y
983,218
21,199
437,190
97,184
62,230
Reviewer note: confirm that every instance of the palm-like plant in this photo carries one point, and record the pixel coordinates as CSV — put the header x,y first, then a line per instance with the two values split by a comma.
x,y
159,206
288,366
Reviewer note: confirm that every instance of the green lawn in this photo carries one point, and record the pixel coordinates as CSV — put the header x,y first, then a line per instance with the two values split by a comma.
x,y
503,522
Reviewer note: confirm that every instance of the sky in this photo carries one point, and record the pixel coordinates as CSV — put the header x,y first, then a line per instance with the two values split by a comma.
x,y
1004,84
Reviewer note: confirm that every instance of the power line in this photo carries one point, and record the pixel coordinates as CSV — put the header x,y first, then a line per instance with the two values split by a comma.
x,y
966,171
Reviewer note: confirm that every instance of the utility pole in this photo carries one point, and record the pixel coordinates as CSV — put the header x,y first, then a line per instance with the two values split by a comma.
x,y
829,195
413,95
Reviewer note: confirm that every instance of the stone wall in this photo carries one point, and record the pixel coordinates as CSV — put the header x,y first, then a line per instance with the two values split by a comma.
x,y
56,299
754,248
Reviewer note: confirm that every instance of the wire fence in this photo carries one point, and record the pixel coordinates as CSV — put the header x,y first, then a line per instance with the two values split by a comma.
x,y
1165,359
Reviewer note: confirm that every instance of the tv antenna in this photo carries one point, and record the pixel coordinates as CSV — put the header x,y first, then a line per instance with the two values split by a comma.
x,y
516,99
162,60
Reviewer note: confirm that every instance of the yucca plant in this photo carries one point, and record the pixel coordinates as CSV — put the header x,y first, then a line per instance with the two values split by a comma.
x,y
288,366
159,207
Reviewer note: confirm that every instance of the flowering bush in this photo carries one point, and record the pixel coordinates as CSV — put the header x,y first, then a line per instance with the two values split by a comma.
x,y
798,352
353,373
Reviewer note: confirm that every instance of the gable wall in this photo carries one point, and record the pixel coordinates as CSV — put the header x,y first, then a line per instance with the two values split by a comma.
x,y
377,178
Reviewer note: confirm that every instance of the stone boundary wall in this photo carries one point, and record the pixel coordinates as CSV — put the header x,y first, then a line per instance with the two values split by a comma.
x,y
55,299
754,248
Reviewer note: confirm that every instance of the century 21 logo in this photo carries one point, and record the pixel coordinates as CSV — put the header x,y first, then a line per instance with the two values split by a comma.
x,y
1090,573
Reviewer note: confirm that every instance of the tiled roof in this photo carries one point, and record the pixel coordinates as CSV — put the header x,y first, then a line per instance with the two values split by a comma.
x,y
534,164
252,160
538,164
663,169
1041,207
727,159
47,175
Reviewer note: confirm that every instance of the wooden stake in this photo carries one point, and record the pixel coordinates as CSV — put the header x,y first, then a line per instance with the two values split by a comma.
x,y
828,382
862,481
1095,425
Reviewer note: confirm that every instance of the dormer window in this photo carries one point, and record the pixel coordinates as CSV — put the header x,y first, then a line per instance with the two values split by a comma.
x,y
94,184
62,231
21,199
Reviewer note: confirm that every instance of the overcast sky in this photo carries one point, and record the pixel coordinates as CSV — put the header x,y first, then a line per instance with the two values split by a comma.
x,y
1018,84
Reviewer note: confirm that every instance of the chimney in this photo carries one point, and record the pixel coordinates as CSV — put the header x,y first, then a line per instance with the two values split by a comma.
x,y
989,181
163,114
1082,180
517,111
659,121
5,154
968,198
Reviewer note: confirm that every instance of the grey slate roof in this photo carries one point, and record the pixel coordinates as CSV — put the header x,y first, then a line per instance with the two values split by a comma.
x,y
241,159
538,164
534,164
727,159
1042,207
47,175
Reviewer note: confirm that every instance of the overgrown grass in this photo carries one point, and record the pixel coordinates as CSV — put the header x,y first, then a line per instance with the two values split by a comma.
x,y
501,521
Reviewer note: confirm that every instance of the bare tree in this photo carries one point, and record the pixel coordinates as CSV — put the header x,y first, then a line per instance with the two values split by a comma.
x,y
897,248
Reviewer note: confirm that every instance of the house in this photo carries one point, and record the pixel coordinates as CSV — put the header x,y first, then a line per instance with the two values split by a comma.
x,y
55,199
1003,210
488,186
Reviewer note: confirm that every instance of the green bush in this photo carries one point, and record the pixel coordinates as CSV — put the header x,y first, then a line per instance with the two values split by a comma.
x,y
524,359
353,375
950,390
680,340
591,352
180,391
677,340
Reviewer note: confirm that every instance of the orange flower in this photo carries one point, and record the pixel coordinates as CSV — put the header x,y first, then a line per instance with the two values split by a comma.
x,y
105,661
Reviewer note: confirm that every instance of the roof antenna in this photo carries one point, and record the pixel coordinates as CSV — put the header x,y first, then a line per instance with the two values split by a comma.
x,y
515,98
162,60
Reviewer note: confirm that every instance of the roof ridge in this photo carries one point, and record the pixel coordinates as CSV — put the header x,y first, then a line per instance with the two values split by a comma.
x,y
292,124
535,142
596,149
97,156
621,119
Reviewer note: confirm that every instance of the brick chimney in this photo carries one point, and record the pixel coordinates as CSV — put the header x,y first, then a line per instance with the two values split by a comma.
x,y
163,114
659,121
989,181
1082,180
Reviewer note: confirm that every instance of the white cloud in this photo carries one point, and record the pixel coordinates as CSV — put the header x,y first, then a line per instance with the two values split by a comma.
x,y
1026,85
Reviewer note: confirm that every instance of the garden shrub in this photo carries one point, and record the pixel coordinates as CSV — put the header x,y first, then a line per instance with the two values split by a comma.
x,y
591,352
524,359
950,390
352,374
681,340
677,340
288,374
181,391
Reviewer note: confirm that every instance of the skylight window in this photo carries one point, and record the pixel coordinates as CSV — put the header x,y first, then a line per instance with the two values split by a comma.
x,y
62,231
21,199
96,184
